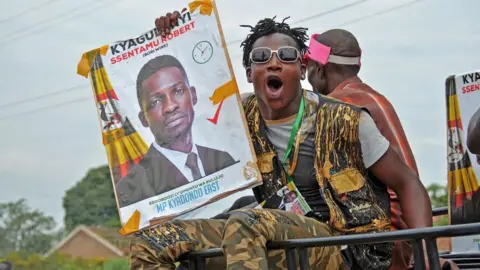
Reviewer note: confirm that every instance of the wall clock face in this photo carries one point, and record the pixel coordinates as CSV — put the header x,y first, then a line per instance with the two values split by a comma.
x,y
202,52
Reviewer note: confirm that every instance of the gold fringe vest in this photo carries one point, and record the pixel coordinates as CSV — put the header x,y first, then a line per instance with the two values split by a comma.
x,y
358,202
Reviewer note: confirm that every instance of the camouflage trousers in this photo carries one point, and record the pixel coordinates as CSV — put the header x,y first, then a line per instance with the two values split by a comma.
x,y
242,237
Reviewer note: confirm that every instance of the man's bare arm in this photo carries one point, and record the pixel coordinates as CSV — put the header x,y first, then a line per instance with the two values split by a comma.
x,y
413,197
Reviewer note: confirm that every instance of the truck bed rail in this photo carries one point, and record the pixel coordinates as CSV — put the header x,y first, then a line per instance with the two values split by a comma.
x,y
429,235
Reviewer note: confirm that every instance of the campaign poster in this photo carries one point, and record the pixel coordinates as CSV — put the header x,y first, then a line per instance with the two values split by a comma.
x,y
463,101
287,199
171,119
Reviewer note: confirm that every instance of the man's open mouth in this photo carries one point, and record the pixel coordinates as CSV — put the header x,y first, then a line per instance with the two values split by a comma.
x,y
274,82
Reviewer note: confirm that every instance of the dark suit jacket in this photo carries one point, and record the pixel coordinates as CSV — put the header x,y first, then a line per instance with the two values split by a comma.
x,y
155,174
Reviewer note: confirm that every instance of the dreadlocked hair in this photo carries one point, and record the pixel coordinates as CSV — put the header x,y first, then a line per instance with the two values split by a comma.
x,y
267,27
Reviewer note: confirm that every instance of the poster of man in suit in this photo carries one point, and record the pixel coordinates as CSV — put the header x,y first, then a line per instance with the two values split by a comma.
x,y
171,120
463,100
166,100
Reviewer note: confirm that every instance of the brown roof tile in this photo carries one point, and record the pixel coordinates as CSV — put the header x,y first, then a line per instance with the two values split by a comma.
x,y
113,236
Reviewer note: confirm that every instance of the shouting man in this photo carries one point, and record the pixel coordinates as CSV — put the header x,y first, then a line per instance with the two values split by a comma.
x,y
333,152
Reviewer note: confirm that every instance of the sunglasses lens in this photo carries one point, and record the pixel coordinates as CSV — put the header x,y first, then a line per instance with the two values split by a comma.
x,y
285,54
261,55
288,54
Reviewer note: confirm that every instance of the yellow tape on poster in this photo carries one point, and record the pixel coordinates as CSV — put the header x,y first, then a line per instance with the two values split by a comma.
x,y
206,6
132,225
224,91
83,67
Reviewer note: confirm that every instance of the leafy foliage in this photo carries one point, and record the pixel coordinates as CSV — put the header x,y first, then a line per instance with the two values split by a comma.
x,y
22,228
25,261
438,195
439,198
25,234
442,221
91,201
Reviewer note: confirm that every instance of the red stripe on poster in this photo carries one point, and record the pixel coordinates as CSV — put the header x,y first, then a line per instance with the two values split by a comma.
x,y
455,123
124,169
110,94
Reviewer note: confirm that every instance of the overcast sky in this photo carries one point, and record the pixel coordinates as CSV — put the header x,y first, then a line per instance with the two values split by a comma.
x,y
408,53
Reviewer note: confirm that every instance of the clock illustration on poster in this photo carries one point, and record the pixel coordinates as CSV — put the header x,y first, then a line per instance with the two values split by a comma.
x,y
202,52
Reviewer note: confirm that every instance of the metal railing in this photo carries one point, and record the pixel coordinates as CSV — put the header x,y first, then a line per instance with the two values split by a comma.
x,y
197,259
440,211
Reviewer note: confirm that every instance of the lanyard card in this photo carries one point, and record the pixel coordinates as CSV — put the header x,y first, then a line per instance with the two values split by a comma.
x,y
288,198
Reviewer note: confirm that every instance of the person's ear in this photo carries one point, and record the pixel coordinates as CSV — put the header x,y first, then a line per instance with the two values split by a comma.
x,y
193,92
319,70
303,70
249,75
142,118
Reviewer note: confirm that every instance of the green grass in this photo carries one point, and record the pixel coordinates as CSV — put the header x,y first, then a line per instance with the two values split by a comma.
x,y
443,221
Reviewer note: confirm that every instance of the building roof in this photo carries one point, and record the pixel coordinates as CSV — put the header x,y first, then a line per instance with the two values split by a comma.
x,y
108,237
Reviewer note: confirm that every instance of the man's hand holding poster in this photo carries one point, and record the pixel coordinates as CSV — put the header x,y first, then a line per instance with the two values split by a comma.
x,y
171,119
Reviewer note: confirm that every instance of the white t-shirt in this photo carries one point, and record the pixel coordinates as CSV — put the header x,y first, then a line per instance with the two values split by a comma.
x,y
373,143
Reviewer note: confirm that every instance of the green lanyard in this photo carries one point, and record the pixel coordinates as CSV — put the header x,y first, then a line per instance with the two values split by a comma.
x,y
293,135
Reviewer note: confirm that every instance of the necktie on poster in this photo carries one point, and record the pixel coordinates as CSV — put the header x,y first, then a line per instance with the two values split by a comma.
x,y
161,101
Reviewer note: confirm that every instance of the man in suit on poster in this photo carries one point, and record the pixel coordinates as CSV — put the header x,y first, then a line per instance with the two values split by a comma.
x,y
166,101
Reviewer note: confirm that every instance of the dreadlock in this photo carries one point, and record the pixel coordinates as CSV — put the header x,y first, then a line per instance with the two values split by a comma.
x,y
267,27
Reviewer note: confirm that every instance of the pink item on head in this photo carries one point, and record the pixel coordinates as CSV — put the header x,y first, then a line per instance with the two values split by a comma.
x,y
322,54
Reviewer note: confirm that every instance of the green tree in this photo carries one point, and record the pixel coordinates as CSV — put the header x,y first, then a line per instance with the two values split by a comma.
x,y
22,228
91,201
27,261
438,195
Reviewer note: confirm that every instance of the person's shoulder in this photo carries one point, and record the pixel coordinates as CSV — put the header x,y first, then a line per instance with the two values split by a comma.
x,y
363,86
130,186
213,151
220,158
363,92
134,177
316,102
366,119
338,103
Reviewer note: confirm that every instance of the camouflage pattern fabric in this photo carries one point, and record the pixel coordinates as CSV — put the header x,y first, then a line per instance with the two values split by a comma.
x,y
242,237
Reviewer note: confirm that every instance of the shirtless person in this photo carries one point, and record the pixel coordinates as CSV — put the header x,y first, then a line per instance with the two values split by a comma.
x,y
333,63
